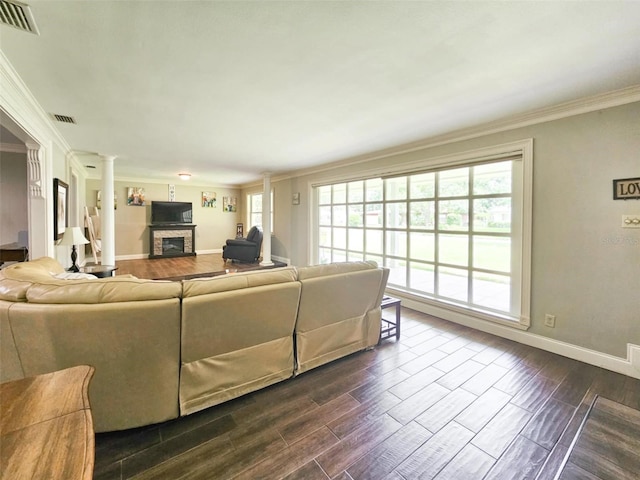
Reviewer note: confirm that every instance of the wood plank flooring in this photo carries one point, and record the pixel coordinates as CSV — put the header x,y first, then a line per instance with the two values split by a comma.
x,y
178,268
607,445
444,402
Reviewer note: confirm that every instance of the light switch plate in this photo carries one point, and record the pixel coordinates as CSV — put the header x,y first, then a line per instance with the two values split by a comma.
x,y
631,221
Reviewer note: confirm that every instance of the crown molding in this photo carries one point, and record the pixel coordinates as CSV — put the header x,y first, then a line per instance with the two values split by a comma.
x,y
557,112
13,148
138,181
19,103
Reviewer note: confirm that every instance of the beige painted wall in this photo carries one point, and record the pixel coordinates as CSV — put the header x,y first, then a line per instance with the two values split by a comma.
x,y
132,235
13,196
586,268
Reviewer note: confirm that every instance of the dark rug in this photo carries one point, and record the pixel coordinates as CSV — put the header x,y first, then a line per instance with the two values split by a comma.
x,y
233,267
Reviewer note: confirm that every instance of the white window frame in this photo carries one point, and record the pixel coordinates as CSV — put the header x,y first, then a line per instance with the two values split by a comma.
x,y
522,188
250,211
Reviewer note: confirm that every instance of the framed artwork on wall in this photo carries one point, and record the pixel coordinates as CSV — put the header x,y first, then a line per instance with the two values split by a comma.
x,y
135,197
60,208
229,204
209,199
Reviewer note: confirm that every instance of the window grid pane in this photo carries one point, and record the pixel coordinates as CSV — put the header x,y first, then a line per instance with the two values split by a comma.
x,y
444,234
255,210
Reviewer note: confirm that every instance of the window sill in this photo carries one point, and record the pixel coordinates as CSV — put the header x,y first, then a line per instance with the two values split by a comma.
x,y
456,313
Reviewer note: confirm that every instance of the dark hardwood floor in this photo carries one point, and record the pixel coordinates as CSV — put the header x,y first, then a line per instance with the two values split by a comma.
x,y
444,402
607,444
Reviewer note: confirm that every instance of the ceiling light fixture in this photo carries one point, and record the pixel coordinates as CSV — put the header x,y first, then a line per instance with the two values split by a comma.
x,y
184,176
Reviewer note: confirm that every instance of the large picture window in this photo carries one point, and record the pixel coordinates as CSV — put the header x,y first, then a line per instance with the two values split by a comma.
x,y
452,234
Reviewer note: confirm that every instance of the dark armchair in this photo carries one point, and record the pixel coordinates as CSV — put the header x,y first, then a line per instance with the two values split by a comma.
x,y
244,249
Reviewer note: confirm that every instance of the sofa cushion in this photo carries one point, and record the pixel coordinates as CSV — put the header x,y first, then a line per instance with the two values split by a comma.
x,y
13,290
305,273
35,270
237,281
102,290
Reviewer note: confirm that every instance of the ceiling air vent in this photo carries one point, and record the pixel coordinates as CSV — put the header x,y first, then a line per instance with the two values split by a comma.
x,y
64,118
18,15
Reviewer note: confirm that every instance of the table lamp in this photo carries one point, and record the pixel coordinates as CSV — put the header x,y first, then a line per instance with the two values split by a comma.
x,y
73,236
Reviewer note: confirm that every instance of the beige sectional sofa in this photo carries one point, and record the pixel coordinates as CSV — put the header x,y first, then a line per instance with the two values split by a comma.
x,y
163,349
237,335
128,329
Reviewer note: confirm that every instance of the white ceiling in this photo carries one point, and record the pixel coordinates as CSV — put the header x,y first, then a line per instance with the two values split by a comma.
x,y
228,90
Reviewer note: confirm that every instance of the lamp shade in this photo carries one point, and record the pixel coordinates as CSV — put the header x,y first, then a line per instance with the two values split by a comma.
x,y
73,236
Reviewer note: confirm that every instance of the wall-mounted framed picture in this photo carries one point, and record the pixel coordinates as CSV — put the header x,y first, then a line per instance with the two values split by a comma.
x,y
135,197
60,208
172,193
229,204
209,199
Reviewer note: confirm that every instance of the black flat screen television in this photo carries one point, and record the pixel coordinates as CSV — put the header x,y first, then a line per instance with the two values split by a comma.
x,y
164,213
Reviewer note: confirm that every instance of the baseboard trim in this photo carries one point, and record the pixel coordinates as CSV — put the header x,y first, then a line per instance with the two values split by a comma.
x,y
629,366
137,256
209,252
281,259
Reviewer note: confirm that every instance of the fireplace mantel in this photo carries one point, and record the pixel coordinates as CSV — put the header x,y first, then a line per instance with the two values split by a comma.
x,y
158,233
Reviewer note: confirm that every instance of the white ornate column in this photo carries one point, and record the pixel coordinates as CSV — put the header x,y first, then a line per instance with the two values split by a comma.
x,y
40,223
108,256
266,220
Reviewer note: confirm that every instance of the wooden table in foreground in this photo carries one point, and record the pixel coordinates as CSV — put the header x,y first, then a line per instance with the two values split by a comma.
x,y
46,429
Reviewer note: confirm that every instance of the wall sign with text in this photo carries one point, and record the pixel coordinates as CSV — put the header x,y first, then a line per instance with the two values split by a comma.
x,y
626,189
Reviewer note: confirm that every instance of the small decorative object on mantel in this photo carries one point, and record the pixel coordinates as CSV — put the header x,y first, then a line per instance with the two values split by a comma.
x,y
209,199
135,197
626,189
229,204
172,193
239,230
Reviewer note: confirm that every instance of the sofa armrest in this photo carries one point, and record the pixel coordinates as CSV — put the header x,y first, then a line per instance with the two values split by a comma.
x,y
236,242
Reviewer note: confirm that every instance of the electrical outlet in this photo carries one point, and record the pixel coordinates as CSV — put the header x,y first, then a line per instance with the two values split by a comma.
x,y
550,320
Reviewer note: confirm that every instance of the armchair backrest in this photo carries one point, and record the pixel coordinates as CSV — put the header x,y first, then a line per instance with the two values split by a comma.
x,y
255,235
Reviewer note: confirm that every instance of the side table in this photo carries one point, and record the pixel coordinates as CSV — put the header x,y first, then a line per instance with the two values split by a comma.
x,y
100,271
390,327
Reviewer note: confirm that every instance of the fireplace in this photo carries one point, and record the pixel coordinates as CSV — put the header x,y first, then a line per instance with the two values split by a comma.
x,y
172,245
171,241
